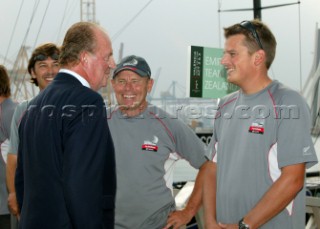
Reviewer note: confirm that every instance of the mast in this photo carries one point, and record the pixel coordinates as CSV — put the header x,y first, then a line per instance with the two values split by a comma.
x,y
88,10
22,90
257,9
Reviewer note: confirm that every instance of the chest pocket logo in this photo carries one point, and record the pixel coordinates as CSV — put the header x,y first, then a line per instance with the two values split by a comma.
x,y
256,128
150,145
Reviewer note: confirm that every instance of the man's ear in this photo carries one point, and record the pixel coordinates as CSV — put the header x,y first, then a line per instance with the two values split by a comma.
x,y
83,58
33,74
150,85
259,57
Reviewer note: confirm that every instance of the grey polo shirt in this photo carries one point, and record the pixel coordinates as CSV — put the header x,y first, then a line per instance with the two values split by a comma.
x,y
146,148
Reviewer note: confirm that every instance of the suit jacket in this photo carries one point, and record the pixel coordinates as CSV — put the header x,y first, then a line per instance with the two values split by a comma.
x,y
65,175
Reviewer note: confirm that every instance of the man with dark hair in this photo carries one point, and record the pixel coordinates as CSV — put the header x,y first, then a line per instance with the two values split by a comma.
x,y
65,176
7,107
259,156
37,62
43,67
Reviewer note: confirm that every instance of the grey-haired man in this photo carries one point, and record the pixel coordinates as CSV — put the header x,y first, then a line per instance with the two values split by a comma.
x,y
148,142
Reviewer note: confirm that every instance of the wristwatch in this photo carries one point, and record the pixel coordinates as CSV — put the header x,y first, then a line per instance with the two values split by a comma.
x,y
242,225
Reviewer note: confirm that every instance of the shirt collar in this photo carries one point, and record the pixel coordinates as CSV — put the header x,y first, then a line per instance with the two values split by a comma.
x,y
77,76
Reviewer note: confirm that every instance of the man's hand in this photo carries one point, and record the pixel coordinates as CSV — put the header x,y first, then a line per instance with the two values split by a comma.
x,y
215,226
13,204
229,226
177,219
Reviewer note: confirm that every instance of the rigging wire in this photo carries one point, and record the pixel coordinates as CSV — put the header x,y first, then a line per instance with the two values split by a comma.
x,y
299,22
31,20
181,88
63,17
219,21
14,29
72,10
36,40
24,42
117,34
300,60
44,15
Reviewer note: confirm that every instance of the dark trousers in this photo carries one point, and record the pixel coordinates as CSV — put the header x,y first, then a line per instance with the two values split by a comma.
x,y
5,221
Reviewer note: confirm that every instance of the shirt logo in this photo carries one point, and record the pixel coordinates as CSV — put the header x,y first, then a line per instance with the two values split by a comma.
x,y
305,151
256,128
150,145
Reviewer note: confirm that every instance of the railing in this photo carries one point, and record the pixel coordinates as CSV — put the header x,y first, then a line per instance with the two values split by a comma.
x,y
313,209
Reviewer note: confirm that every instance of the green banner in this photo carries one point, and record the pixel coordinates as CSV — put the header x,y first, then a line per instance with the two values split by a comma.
x,y
207,75
196,71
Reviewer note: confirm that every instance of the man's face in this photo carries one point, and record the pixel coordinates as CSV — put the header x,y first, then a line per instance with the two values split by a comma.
x,y
131,90
100,63
45,71
237,60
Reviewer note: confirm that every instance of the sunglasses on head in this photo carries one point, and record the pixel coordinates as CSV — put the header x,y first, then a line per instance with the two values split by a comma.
x,y
249,26
42,57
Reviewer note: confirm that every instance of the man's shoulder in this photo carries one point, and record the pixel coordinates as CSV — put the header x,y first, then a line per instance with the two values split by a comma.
x,y
6,110
170,116
170,119
158,112
8,103
228,98
69,88
23,105
20,109
284,94
64,81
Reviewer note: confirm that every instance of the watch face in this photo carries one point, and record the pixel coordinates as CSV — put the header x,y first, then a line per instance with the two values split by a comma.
x,y
242,225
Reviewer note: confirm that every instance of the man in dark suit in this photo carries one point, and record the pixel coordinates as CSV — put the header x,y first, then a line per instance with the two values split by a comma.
x,y
65,176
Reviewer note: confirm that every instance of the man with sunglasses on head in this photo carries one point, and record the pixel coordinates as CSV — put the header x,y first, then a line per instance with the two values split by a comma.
x,y
261,143
42,67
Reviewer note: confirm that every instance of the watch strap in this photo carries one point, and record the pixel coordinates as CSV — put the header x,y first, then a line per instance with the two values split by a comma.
x,y
243,225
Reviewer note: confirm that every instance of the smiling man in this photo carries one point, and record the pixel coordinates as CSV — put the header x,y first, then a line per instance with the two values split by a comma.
x,y
65,176
148,142
44,65
259,160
